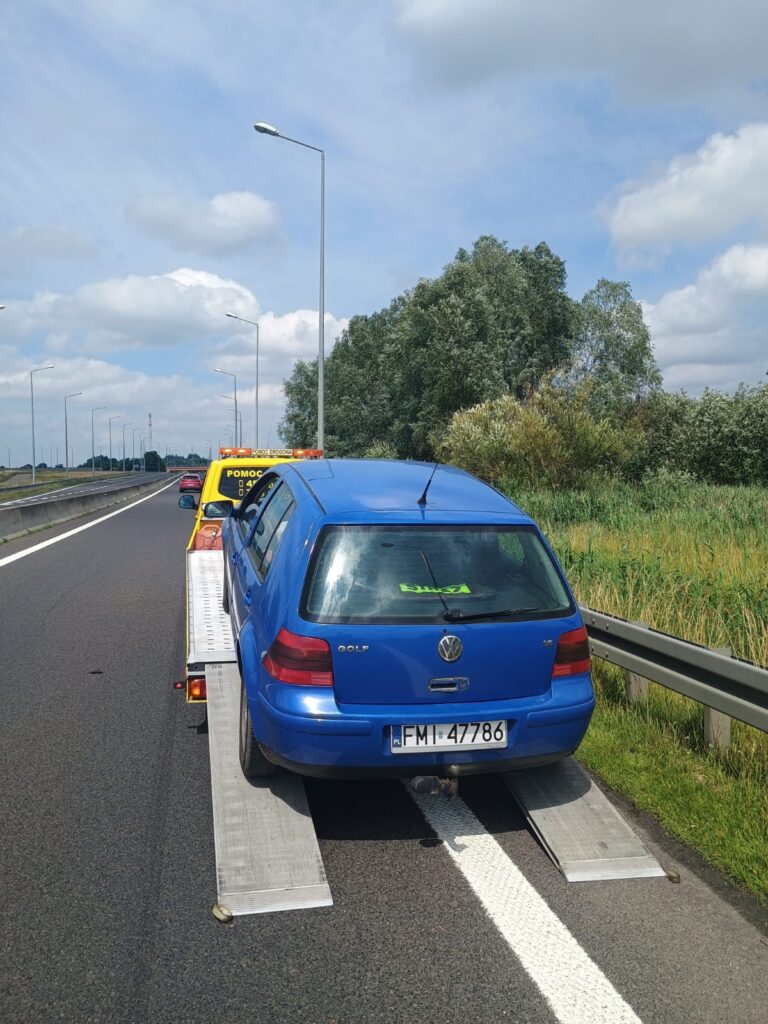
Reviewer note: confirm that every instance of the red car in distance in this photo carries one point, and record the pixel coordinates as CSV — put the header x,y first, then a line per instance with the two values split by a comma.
x,y
190,482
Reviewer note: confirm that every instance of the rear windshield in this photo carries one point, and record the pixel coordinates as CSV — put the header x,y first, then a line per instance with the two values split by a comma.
x,y
236,481
432,574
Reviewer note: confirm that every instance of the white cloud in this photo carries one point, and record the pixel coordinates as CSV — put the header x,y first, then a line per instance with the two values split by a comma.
x,y
656,48
712,332
159,310
698,195
226,223
185,307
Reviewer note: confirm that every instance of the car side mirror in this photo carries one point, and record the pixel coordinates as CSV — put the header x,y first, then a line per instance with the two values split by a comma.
x,y
188,501
217,509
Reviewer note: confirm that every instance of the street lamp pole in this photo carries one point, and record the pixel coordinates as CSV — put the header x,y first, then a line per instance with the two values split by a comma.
x,y
128,424
93,448
66,431
37,369
133,448
234,378
268,129
253,322
110,440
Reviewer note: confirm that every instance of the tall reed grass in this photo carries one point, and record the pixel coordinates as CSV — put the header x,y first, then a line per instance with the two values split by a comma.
x,y
687,558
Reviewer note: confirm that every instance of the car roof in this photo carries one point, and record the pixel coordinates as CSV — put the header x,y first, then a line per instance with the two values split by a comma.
x,y
386,485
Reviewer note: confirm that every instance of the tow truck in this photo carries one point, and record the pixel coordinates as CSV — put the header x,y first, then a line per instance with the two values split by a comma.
x,y
227,481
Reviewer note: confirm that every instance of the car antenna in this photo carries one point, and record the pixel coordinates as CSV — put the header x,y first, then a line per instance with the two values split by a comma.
x,y
423,499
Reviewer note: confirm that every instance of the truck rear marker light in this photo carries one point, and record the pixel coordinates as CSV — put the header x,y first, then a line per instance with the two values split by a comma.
x,y
572,654
299,660
196,690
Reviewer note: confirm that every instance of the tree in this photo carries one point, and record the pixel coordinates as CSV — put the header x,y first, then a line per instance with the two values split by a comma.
x,y
613,348
495,321
300,421
153,463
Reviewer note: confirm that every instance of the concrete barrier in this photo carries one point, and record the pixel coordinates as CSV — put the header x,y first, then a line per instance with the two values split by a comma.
x,y
20,519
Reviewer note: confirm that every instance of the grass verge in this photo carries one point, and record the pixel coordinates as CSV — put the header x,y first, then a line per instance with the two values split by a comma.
x,y
653,753
690,559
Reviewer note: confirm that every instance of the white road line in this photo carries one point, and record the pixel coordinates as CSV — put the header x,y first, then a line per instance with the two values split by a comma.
x,y
79,529
574,986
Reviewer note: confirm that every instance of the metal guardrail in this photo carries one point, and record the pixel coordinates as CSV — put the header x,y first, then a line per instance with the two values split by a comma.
x,y
735,687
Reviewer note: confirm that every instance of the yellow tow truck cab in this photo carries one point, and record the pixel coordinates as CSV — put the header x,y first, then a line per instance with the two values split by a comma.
x,y
227,481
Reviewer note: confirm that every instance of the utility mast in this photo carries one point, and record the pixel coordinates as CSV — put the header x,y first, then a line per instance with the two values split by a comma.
x,y
149,417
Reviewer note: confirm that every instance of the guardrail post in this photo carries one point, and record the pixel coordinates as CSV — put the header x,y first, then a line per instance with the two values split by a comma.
x,y
717,726
637,687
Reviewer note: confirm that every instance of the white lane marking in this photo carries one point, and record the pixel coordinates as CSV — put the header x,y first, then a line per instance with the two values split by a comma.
x,y
574,986
79,529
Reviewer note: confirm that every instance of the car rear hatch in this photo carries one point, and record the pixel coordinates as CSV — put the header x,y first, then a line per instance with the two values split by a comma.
x,y
431,614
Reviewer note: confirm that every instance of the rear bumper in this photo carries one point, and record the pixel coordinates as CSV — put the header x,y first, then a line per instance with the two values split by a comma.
x,y
305,730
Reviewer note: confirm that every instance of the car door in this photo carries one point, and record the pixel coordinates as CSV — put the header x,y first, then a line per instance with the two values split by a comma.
x,y
240,529
259,553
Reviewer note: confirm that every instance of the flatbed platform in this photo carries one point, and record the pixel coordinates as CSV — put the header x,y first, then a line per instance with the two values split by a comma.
x,y
209,634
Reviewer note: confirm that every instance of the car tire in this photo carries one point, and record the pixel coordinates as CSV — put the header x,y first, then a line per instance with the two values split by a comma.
x,y
252,761
225,594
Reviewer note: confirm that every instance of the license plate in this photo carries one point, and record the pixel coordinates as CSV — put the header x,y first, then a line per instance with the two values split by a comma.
x,y
405,739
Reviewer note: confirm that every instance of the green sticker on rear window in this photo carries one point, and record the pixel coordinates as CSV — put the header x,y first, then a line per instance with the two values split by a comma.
x,y
417,588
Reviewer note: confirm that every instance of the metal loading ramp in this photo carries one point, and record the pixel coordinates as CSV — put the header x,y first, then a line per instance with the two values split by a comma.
x,y
209,633
267,856
578,826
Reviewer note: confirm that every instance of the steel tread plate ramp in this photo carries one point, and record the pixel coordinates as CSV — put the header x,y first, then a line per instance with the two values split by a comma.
x,y
209,630
267,856
578,826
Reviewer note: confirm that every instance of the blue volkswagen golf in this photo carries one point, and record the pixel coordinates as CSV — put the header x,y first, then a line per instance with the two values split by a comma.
x,y
397,618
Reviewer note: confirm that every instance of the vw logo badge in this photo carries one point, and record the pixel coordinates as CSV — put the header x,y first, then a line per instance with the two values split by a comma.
x,y
450,648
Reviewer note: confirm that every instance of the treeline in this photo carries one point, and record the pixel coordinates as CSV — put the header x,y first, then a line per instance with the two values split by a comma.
x,y
493,366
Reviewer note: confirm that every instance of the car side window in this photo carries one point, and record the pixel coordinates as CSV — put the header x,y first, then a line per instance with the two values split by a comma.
x,y
269,530
252,502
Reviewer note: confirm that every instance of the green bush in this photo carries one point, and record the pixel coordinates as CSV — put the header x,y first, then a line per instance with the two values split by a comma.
x,y
552,438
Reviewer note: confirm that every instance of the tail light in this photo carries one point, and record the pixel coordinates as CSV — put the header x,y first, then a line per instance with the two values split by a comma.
x,y
301,660
572,654
196,690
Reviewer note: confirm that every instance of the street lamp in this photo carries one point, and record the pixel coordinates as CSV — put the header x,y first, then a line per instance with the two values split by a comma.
x,y
37,369
93,449
66,432
253,322
210,450
133,448
128,424
110,440
239,419
232,375
268,129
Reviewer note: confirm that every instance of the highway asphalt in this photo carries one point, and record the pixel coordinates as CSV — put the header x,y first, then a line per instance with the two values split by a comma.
x,y
107,873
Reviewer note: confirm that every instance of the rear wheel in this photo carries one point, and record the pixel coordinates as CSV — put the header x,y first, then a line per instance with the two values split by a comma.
x,y
252,761
225,594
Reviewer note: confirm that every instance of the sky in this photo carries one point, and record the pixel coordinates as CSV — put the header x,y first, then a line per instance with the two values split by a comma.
x,y
140,206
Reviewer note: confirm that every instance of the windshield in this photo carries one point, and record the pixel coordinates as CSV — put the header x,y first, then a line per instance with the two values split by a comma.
x,y
431,574
236,481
